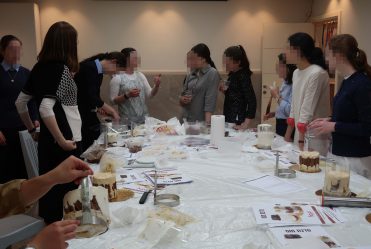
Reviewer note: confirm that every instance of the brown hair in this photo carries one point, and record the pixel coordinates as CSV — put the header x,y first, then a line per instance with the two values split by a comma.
x,y
347,45
60,45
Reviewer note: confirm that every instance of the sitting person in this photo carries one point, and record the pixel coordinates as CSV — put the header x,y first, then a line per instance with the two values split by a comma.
x,y
18,196
282,95
130,89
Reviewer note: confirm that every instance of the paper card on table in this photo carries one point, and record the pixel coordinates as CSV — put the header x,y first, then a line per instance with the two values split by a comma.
x,y
283,160
136,186
167,177
283,215
130,178
286,235
273,185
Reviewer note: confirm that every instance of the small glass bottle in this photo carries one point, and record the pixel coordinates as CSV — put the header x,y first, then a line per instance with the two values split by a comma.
x,y
337,178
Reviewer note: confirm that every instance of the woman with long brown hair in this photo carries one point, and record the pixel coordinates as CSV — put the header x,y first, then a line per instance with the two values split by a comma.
x,y
350,124
51,84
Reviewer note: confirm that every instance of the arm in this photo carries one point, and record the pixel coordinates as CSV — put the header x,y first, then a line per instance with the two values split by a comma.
x,y
211,95
21,105
157,82
249,94
115,89
110,111
47,115
71,169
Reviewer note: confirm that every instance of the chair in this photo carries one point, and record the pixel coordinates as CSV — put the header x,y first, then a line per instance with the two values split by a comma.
x,y
29,150
17,228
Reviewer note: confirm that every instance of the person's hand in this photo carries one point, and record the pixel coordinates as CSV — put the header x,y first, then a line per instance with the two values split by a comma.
x,y
71,169
36,123
243,126
322,127
268,116
316,121
185,99
67,145
288,138
275,92
157,80
101,111
115,116
221,87
134,93
55,235
2,139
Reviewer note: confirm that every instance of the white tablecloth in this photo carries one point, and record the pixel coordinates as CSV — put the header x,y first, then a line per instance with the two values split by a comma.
x,y
221,206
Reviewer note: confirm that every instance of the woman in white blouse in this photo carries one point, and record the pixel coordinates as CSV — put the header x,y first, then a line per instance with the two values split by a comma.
x,y
130,89
310,90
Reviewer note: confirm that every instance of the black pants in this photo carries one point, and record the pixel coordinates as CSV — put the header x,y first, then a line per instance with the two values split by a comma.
x,y
11,157
89,135
281,127
50,156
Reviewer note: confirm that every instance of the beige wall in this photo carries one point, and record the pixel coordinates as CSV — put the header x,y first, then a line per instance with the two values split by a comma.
x,y
355,18
21,20
164,31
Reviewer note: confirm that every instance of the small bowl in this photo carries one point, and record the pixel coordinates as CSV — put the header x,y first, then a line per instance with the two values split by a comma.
x,y
135,144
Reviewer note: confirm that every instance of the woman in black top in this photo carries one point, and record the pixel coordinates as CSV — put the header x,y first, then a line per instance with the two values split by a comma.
x,y
350,124
88,81
13,77
51,84
240,100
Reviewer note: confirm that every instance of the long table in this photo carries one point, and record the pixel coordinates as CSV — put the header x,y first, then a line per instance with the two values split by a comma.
x,y
220,204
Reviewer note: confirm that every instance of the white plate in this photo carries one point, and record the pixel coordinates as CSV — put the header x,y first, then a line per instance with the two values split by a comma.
x,y
146,160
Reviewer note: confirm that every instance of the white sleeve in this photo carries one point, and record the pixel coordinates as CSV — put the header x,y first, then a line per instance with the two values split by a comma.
x,y
147,87
114,87
312,95
21,102
46,107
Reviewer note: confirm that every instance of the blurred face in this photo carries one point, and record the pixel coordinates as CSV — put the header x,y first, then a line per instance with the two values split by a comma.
x,y
198,62
12,52
230,64
331,59
109,66
281,70
292,55
190,60
134,59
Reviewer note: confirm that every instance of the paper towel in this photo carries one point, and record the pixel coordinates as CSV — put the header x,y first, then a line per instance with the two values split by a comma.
x,y
217,129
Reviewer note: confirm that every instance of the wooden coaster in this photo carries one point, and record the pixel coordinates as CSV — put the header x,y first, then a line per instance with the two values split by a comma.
x,y
368,218
123,195
319,193
297,168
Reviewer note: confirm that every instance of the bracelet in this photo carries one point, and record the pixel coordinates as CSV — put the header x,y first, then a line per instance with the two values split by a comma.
x,y
301,141
32,130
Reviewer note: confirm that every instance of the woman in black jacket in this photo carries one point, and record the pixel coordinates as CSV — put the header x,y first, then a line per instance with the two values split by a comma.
x,y
240,100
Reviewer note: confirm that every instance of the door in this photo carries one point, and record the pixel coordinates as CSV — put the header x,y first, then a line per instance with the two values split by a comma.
x,y
274,42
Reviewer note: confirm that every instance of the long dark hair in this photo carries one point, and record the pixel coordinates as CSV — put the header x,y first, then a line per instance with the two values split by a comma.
x,y
60,44
347,46
4,43
305,44
238,54
203,51
290,68
117,56
126,52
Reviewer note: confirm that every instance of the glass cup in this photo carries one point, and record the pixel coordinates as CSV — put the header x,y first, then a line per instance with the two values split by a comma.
x,y
337,178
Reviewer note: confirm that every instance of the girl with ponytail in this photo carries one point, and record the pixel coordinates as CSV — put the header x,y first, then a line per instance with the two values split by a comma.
x,y
310,89
200,88
240,100
350,124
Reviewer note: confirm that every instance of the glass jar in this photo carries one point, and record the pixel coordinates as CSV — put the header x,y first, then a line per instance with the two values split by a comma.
x,y
320,143
265,136
337,178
